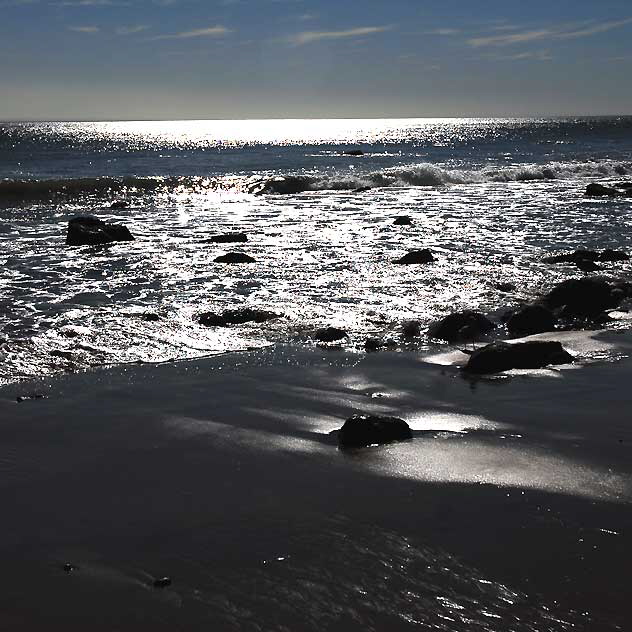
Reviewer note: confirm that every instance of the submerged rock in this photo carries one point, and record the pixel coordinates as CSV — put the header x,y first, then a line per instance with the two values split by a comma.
x,y
415,257
583,298
362,189
330,334
614,255
228,238
375,344
502,356
531,319
403,220
461,326
573,257
363,430
234,257
118,205
411,329
505,287
90,231
236,317
353,152
587,266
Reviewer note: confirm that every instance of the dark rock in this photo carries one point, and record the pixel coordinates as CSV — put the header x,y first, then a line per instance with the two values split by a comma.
x,y
412,329
69,568
416,256
595,190
403,220
235,257
236,317
119,205
587,266
90,231
362,189
573,257
150,317
582,298
353,152
505,287
23,398
613,255
375,344
531,319
228,238
162,582
330,334
364,430
465,325
502,356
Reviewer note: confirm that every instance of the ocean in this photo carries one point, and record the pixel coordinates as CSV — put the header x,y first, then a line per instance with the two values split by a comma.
x,y
489,198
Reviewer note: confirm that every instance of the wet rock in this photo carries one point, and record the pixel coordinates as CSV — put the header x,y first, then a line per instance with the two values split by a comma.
x,y
119,205
505,287
364,430
403,220
162,582
582,298
375,344
613,255
415,257
573,257
69,568
24,398
412,329
235,257
587,266
353,152
502,356
236,317
228,238
595,189
150,317
531,319
90,231
461,326
330,334
362,189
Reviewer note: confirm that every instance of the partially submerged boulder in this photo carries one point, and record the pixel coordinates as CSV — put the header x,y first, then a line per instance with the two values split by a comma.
x,y
91,231
583,298
411,329
403,220
573,257
461,326
531,319
594,189
119,204
330,334
228,238
236,317
353,152
363,430
416,257
504,286
376,344
613,255
234,257
502,356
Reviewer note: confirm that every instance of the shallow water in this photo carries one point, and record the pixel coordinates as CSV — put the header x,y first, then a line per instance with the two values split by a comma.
x,y
488,197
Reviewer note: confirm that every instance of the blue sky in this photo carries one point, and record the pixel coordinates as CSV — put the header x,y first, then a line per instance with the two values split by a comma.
x,y
114,59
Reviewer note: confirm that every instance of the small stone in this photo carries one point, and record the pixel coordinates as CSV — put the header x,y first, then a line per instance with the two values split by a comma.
x,y
162,582
228,238
69,568
416,257
412,329
118,205
403,220
365,430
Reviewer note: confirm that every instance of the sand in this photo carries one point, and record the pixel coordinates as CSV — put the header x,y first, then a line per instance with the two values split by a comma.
x,y
509,510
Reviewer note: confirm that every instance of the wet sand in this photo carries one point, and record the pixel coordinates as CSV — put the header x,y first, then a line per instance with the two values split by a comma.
x,y
511,509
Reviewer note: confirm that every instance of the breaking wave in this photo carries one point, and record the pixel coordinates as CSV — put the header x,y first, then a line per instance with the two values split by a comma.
x,y
420,175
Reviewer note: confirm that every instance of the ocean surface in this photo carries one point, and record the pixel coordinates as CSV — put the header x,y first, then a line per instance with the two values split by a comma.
x,y
489,197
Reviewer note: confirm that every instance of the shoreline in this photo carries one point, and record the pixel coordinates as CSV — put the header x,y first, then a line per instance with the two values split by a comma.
x,y
514,496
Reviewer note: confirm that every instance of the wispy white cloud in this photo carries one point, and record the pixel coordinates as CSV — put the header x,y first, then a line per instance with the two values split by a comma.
x,y
306,37
534,55
130,30
559,33
84,29
445,31
211,31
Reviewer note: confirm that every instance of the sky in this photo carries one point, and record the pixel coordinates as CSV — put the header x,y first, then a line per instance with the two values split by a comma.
x,y
214,59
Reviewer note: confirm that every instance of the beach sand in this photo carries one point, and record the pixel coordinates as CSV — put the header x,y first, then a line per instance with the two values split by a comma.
x,y
509,510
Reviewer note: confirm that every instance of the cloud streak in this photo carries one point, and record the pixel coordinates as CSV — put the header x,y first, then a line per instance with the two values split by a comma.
x,y
211,31
84,29
546,34
307,37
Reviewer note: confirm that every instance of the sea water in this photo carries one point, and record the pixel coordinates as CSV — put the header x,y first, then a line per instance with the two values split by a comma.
x,y
489,198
